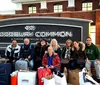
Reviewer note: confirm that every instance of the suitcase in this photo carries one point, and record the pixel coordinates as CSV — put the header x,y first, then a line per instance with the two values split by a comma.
x,y
21,65
27,78
5,70
14,80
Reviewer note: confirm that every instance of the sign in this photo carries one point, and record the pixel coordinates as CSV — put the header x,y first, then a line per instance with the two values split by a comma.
x,y
37,32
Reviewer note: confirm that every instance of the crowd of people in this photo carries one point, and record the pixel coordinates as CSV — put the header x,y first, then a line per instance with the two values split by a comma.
x,y
73,55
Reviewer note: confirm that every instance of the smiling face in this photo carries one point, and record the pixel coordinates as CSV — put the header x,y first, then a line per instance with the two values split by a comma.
x,y
50,50
75,44
68,43
14,43
88,41
54,42
43,43
26,41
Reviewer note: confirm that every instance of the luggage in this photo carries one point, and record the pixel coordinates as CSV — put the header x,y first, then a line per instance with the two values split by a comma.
x,y
43,72
21,65
27,78
14,80
5,70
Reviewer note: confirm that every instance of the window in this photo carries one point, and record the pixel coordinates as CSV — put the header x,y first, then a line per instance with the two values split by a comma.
x,y
87,6
32,9
58,8
92,32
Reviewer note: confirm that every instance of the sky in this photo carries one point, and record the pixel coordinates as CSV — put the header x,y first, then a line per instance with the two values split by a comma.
x,y
7,5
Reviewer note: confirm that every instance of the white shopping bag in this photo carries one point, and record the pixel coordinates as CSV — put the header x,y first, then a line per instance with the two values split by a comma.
x,y
81,78
59,80
49,82
26,78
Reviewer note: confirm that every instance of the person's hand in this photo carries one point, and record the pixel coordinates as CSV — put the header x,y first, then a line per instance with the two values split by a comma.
x,y
46,66
26,59
88,61
13,61
29,57
52,67
98,61
8,59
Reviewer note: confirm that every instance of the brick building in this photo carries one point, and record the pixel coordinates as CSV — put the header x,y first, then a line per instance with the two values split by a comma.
x,y
84,9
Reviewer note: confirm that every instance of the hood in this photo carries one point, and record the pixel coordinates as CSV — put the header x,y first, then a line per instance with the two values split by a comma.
x,y
82,45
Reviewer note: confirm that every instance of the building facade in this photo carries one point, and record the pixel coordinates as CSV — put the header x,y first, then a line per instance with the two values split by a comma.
x,y
84,9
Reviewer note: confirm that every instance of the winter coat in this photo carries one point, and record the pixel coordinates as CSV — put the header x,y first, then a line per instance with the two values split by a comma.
x,y
79,54
40,51
12,53
55,60
27,50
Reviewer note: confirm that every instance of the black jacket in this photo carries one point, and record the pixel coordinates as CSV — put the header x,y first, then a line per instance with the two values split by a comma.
x,y
58,51
78,54
27,50
40,51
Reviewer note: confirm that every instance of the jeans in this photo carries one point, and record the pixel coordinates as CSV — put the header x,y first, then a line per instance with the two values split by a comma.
x,y
31,63
97,67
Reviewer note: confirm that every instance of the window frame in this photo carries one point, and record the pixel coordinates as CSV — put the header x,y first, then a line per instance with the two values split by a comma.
x,y
87,6
59,8
32,9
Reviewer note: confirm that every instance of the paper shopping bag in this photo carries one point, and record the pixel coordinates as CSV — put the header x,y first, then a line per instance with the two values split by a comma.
x,y
60,80
49,81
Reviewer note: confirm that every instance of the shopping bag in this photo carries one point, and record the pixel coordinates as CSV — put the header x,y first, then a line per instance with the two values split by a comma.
x,y
43,72
60,80
85,79
73,77
49,81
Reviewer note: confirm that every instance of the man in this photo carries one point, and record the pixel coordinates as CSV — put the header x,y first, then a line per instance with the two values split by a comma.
x,y
27,52
12,52
51,60
93,56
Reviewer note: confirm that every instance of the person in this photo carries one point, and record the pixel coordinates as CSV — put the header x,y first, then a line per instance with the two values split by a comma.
x,y
27,52
55,46
12,53
40,50
93,57
65,55
51,60
78,56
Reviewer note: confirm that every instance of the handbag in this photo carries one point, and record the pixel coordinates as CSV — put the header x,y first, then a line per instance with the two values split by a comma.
x,y
80,60
64,61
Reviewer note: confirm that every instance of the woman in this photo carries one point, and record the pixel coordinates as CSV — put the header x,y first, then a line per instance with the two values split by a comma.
x,y
55,46
77,59
40,50
65,55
